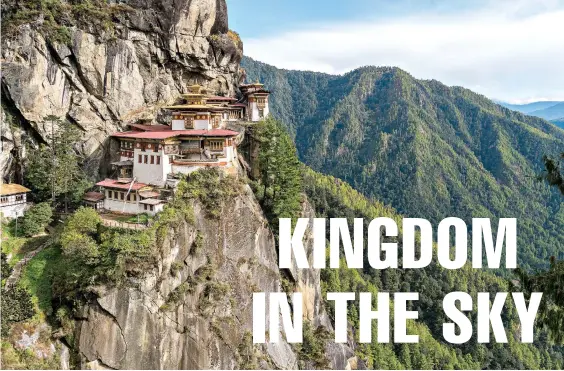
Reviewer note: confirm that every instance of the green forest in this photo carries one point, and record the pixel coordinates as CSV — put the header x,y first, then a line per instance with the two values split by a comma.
x,y
82,254
426,149
332,197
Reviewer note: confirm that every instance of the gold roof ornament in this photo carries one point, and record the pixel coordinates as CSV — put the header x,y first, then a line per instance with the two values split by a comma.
x,y
195,89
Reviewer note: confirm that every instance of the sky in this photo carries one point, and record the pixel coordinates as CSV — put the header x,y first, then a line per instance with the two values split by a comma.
x,y
509,50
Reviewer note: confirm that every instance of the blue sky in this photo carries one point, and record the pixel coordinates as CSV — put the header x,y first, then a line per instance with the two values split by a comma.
x,y
511,50
277,16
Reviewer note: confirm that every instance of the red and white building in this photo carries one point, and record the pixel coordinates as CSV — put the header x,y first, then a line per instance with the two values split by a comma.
x,y
150,156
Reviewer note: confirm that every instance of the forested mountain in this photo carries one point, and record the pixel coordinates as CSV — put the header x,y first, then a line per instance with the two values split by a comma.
x,y
426,149
333,198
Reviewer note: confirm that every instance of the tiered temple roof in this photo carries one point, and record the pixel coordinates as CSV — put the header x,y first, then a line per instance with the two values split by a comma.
x,y
198,99
176,133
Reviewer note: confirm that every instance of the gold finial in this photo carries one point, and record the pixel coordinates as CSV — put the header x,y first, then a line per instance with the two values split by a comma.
x,y
194,88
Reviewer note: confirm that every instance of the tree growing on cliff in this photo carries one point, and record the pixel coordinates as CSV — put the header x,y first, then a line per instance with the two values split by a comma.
x,y
36,219
280,171
554,172
55,170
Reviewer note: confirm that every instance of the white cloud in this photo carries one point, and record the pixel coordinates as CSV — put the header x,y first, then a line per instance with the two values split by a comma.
x,y
512,51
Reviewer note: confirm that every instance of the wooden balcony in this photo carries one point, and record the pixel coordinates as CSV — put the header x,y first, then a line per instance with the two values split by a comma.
x,y
190,150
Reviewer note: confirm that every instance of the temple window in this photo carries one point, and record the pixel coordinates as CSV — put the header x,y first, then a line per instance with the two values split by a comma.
x,y
216,145
189,122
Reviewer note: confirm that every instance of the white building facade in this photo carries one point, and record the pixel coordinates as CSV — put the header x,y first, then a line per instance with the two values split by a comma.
x,y
13,200
129,198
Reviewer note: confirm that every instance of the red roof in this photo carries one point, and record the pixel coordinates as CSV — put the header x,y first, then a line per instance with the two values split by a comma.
x,y
174,133
150,127
112,183
146,134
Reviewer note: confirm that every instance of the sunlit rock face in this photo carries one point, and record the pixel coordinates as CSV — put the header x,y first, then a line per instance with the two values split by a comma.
x,y
104,79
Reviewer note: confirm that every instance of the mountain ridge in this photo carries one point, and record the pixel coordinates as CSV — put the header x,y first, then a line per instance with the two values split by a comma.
x,y
528,107
426,149
550,113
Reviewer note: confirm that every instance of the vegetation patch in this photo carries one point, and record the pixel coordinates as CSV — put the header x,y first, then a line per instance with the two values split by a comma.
x,y
312,349
37,278
25,359
198,244
54,172
95,254
176,296
13,242
36,219
17,306
246,353
211,188
213,292
234,36
53,18
278,184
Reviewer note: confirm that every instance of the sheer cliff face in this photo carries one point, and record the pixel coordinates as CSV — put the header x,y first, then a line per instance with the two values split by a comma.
x,y
194,311
101,81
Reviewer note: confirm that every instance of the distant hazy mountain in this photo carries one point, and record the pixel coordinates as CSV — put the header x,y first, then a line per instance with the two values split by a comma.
x,y
529,107
559,122
548,110
554,112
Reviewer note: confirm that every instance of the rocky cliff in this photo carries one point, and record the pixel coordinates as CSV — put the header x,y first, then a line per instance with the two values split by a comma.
x,y
100,78
194,310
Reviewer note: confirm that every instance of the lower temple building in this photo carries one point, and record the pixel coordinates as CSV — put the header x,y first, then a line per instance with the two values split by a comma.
x,y
129,197
13,200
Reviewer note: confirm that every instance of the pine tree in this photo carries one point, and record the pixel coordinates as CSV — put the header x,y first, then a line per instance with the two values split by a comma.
x,y
280,171
554,172
54,171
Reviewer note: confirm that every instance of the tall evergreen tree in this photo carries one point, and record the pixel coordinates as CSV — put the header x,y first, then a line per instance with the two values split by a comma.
x,y
280,171
554,172
55,170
